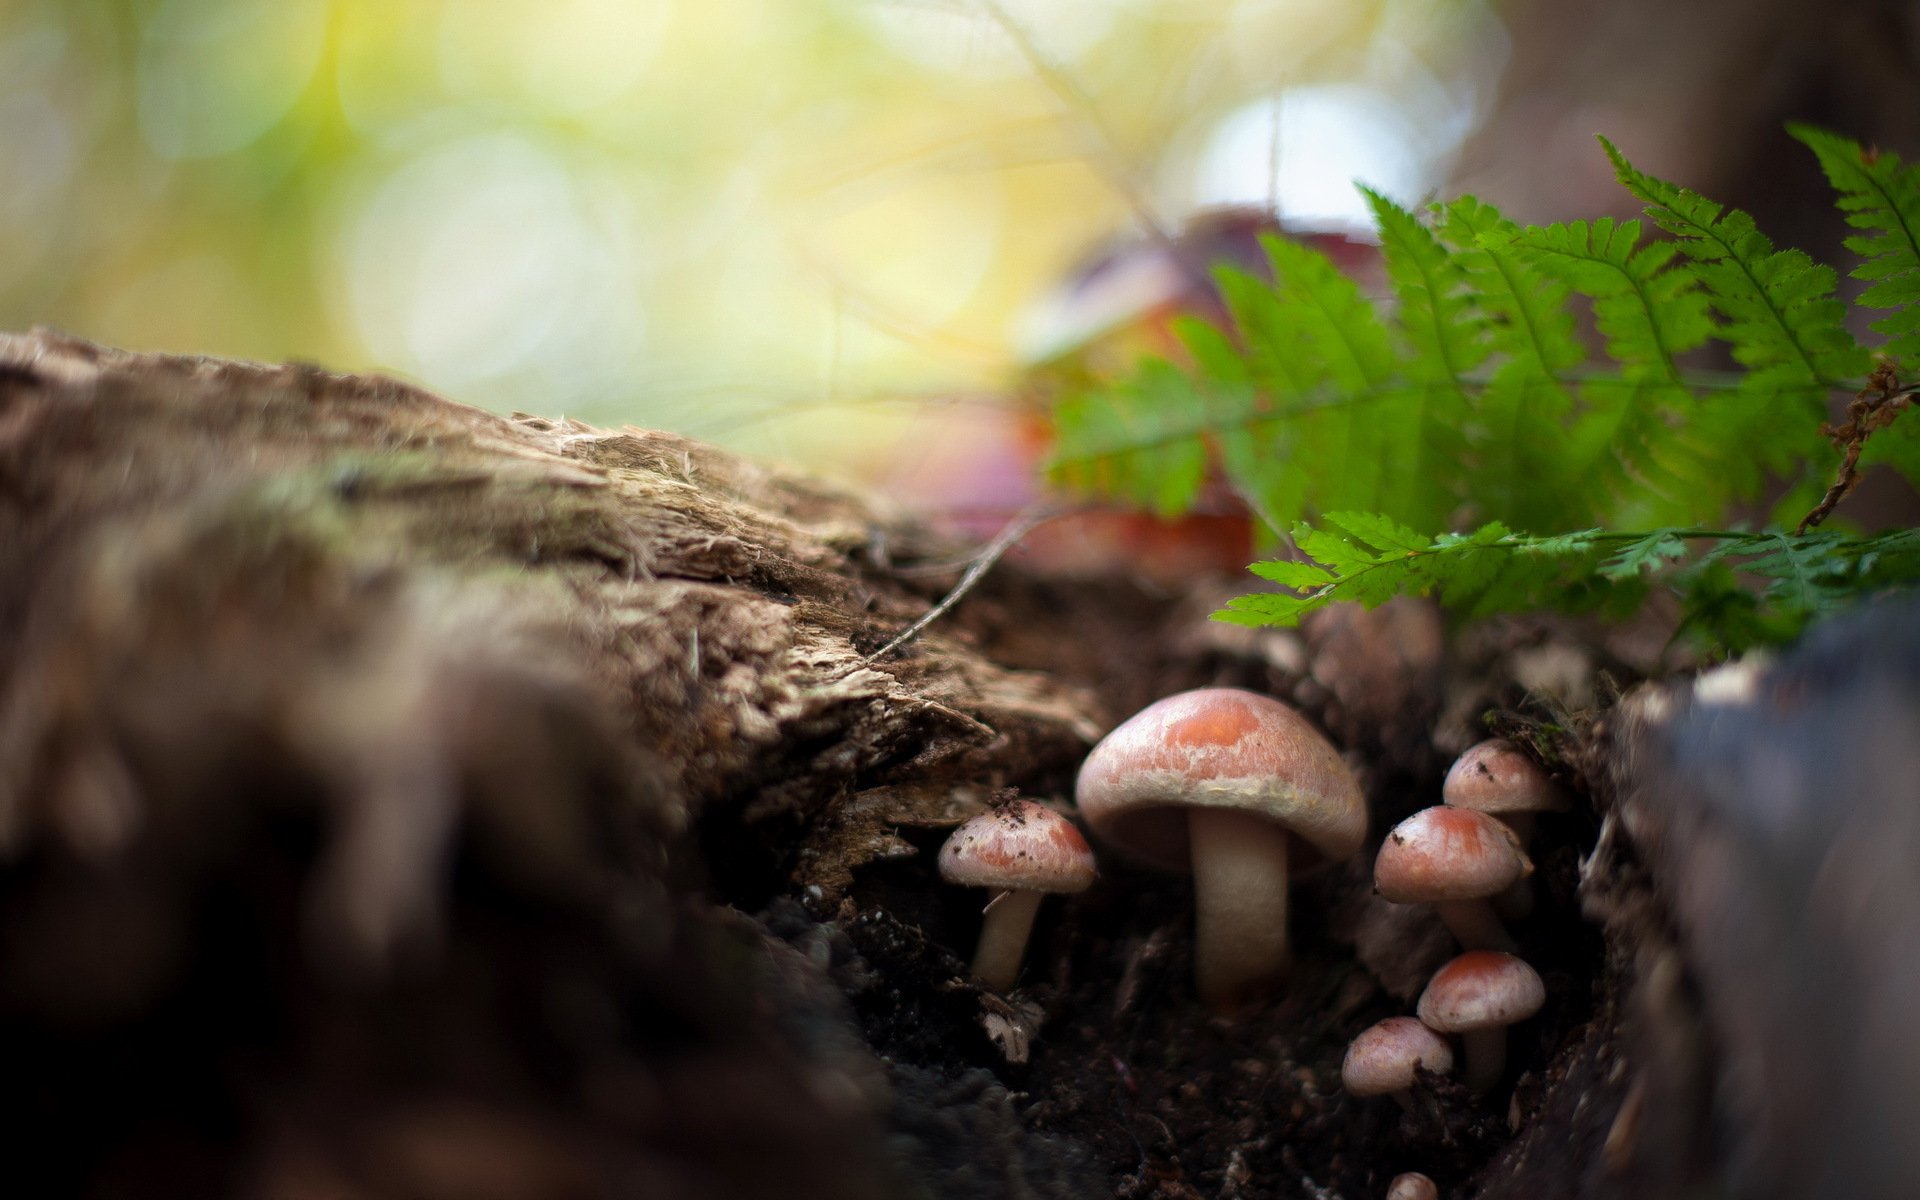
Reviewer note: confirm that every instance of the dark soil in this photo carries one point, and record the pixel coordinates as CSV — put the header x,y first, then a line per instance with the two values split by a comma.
x,y
1134,1090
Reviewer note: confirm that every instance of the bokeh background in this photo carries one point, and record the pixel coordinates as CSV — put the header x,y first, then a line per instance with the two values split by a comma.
x,y
800,226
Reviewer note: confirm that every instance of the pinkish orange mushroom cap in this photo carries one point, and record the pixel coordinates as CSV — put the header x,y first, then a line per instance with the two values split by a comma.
x,y
1481,989
1453,859
1447,854
1496,777
1382,1060
1022,846
1219,748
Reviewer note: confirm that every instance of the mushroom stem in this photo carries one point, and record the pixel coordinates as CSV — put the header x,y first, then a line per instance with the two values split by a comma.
x,y
1521,823
1003,937
1486,1051
1240,902
1474,924
1517,901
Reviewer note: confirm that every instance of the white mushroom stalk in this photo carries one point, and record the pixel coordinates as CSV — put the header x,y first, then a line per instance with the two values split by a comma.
x,y
1004,929
1240,905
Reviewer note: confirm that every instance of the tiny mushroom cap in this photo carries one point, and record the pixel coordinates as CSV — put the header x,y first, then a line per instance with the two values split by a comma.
x,y
1235,786
1022,846
1496,777
1022,850
1413,1186
1453,859
1382,1059
1477,996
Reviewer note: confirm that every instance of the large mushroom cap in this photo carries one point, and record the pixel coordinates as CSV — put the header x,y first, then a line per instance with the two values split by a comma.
x,y
1496,777
1448,854
1219,748
1021,846
1482,989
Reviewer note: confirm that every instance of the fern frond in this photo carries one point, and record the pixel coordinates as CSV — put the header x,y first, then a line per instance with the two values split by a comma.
x,y
1366,559
1446,339
1344,347
1648,313
1878,193
1631,434
1519,418
1478,394
1779,313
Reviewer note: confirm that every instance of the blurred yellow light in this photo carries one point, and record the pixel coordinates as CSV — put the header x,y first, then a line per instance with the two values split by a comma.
x,y
562,56
216,74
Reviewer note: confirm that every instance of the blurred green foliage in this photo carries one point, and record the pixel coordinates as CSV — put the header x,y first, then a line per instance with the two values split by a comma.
x,y
689,214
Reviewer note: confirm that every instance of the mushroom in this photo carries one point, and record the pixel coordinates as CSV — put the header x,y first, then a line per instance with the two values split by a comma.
x,y
1496,778
1022,850
1381,1061
1238,788
1413,1186
1453,859
1477,996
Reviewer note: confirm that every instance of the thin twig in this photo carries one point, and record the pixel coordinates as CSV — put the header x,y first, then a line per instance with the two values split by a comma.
x,y
1021,525
1872,409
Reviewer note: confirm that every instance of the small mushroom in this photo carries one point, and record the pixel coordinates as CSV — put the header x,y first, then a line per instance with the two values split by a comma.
x,y
1477,996
1413,1186
1453,859
1381,1061
1240,789
1497,778
1023,851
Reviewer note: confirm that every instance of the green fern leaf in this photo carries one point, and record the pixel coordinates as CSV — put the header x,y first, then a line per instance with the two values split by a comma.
x,y
1649,553
1780,316
1780,319
1518,422
1878,193
1631,431
1382,533
1648,313
1446,337
1343,351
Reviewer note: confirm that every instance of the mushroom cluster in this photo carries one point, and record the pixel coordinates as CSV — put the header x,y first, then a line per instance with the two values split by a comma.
x,y
1460,858
1242,791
